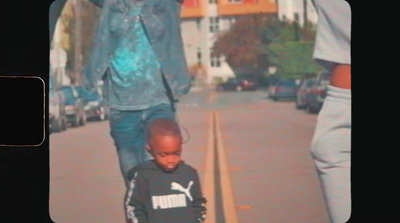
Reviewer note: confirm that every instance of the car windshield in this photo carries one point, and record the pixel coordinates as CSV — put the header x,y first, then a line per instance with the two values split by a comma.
x,y
288,83
310,82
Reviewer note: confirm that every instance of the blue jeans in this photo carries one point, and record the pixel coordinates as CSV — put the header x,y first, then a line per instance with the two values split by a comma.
x,y
129,132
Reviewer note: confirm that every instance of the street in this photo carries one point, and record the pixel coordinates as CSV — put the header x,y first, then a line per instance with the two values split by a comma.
x,y
252,155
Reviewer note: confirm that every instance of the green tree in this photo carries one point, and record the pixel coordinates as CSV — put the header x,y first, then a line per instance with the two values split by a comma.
x,y
293,58
289,47
263,40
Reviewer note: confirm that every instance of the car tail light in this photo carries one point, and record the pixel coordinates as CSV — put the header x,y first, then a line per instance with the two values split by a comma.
x,y
247,83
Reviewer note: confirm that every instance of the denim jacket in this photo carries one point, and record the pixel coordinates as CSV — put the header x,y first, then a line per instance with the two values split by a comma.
x,y
161,19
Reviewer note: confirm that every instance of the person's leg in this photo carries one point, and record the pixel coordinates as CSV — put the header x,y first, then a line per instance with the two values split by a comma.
x,y
331,151
127,131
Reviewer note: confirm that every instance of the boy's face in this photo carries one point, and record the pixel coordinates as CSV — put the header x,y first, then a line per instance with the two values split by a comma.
x,y
166,151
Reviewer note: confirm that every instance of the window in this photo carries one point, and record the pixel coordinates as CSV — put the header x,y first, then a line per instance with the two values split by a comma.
x,y
214,24
198,24
199,56
215,61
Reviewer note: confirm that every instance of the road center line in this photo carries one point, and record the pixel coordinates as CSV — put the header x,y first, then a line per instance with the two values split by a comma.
x,y
217,189
227,193
209,182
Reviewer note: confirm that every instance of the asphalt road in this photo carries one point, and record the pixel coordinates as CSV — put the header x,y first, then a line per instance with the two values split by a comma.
x,y
252,155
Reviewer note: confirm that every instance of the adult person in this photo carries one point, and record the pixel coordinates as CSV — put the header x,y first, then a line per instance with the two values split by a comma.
x,y
138,53
331,144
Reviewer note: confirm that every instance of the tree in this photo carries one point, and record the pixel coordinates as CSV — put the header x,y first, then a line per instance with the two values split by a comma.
x,y
260,41
289,47
89,18
293,58
239,44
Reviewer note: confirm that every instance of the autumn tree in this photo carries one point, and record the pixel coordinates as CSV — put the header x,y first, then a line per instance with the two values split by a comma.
x,y
89,20
239,44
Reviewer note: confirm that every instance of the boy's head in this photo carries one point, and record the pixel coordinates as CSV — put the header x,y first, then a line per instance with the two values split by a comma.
x,y
165,143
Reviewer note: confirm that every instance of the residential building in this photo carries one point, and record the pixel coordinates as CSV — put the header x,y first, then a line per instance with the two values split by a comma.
x,y
202,20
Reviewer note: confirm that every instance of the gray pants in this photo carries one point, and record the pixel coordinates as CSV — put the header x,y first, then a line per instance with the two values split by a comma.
x,y
331,150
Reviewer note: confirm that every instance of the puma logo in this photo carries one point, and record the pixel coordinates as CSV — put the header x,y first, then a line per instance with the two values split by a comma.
x,y
176,186
169,201
173,200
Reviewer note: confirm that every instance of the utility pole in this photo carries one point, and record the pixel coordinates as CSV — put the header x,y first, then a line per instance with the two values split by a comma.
x,y
305,13
77,42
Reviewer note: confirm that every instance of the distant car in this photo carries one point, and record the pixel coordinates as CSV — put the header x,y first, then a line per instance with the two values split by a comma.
x,y
74,106
283,89
302,92
237,84
57,114
317,94
94,108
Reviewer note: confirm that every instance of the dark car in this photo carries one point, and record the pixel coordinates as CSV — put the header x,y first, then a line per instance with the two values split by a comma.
x,y
237,84
57,114
74,106
304,90
94,108
283,89
317,94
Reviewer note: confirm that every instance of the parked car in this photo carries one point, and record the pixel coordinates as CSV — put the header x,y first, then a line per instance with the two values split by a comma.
x,y
57,114
317,94
237,84
283,89
302,92
94,108
74,106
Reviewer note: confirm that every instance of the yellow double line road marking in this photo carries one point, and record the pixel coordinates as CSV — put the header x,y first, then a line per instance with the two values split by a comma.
x,y
209,174
215,144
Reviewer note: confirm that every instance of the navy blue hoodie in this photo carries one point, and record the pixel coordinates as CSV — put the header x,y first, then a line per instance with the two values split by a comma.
x,y
157,196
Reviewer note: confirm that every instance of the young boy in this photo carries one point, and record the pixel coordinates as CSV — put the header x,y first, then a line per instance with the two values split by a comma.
x,y
165,189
